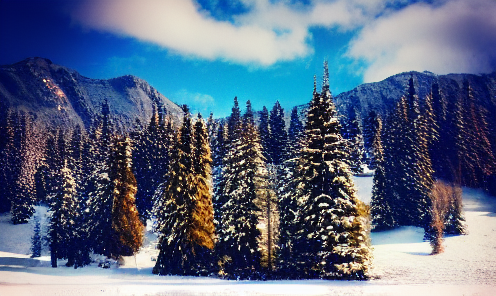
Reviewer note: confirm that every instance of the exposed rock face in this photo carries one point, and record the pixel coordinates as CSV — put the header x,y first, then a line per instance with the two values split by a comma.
x,y
58,96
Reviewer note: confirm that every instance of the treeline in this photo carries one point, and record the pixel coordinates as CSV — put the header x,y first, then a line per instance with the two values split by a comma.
x,y
283,205
232,198
424,151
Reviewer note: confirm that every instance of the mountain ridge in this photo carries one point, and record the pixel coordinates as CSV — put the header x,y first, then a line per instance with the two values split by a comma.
x,y
58,96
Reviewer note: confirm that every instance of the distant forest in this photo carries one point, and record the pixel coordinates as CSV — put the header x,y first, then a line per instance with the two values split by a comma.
x,y
241,198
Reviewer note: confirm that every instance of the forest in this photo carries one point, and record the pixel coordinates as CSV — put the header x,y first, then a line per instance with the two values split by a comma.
x,y
247,197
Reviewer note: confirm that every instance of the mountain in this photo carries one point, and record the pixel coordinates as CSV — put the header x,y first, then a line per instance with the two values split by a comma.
x,y
382,96
58,96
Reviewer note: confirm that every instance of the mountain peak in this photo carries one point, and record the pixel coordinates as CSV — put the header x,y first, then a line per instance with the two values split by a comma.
x,y
57,96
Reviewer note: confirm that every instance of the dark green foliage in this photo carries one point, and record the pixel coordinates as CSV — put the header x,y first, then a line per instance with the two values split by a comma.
x,y
352,133
36,239
287,202
151,159
127,229
381,207
242,184
62,222
264,132
175,206
278,136
331,238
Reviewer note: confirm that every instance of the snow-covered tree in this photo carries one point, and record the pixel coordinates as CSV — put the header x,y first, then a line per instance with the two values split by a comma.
x,y
127,229
203,228
287,201
381,207
332,232
278,136
243,178
352,132
175,207
264,132
62,222
36,239
150,159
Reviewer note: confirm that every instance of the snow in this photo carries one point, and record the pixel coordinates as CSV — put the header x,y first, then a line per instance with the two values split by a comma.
x,y
402,260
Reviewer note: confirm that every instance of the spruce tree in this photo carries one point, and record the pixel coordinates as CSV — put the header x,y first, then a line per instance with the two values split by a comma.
x,y
203,228
36,239
264,131
287,202
21,152
100,186
127,229
242,182
174,209
332,238
381,208
278,136
62,221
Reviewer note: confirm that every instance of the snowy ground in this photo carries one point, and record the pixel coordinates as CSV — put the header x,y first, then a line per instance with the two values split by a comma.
x,y
403,265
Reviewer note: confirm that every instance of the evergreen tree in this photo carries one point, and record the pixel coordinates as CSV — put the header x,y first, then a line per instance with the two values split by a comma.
x,y
62,222
476,160
100,186
264,132
331,239
381,208
22,160
36,239
287,202
242,182
203,228
151,159
353,134
174,209
370,127
278,137
127,229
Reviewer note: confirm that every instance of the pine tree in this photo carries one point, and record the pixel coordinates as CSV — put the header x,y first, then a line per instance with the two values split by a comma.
x,y
242,181
278,137
476,160
62,222
354,136
264,132
127,229
22,159
203,228
100,186
381,208
151,159
174,209
36,239
287,202
331,239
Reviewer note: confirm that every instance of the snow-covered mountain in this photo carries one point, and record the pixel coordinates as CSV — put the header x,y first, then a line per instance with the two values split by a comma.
x,y
382,96
58,96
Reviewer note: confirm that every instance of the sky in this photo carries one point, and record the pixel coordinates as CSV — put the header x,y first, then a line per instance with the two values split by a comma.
x,y
205,52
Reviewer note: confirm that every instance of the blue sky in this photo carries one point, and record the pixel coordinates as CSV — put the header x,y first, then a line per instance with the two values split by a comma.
x,y
205,52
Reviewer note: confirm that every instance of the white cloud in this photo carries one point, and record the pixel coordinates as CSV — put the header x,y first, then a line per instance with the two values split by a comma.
x,y
456,36
266,34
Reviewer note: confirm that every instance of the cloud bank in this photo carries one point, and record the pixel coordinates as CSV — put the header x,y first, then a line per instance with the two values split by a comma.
x,y
457,36
266,34
443,36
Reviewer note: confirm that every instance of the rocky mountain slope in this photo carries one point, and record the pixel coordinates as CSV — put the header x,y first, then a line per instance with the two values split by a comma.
x,y
58,96
382,96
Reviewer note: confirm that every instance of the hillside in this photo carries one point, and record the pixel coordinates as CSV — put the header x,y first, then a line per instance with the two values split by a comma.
x,y
58,96
382,96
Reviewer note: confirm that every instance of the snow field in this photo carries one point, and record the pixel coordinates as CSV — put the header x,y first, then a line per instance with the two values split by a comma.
x,y
402,265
